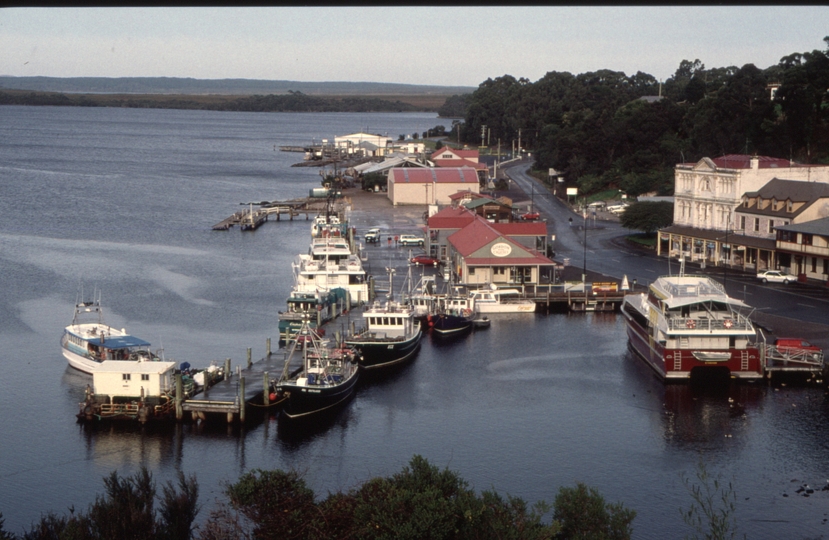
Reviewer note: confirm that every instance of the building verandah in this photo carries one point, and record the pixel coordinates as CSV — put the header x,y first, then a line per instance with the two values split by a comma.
x,y
716,248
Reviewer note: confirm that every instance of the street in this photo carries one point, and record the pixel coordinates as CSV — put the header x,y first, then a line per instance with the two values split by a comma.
x,y
607,252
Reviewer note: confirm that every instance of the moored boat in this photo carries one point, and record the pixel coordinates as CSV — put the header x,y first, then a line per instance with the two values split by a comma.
x,y
326,378
454,316
329,264
684,324
316,307
390,334
493,300
88,341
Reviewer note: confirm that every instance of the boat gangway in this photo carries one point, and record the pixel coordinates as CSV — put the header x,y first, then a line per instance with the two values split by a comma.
x,y
574,296
793,361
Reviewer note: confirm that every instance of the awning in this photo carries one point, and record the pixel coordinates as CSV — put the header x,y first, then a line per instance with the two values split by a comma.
x,y
119,342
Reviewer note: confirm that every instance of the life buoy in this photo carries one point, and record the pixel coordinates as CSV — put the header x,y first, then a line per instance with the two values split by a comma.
x,y
728,323
690,324
467,312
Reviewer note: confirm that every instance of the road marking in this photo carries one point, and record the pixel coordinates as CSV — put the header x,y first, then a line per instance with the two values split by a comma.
x,y
805,305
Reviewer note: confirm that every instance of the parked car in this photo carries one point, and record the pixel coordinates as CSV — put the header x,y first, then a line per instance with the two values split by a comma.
x,y
372,235
425,260
797,345
410,240
617,208
530,216
775,276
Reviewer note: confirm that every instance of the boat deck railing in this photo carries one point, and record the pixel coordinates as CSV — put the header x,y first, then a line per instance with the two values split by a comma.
x,y
738,323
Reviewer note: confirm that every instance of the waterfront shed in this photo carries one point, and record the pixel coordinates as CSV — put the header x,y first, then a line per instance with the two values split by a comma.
x,y
127,379
430,185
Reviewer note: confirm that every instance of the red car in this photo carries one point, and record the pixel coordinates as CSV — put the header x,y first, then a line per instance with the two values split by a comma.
x,y
530,216
425,260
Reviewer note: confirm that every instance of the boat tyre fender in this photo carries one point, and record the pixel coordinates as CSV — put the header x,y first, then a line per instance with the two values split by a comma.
x,y
690,324
728,323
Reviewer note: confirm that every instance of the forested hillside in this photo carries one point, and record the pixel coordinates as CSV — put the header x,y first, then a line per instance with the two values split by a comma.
x,y
606,129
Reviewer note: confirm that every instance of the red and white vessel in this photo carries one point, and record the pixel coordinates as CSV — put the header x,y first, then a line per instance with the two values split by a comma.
x,y
687,323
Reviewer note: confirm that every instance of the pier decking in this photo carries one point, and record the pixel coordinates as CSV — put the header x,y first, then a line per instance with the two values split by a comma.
x,y
250,219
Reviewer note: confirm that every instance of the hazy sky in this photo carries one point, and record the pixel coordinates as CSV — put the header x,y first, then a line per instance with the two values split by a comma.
x,y
415,45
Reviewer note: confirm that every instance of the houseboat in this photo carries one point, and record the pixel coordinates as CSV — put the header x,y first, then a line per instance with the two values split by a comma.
x,y
688,323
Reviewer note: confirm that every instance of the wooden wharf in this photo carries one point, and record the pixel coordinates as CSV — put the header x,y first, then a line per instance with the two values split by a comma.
x,y
250,219
240,391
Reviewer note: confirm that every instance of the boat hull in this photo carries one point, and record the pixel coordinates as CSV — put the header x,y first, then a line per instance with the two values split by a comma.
x,y
81,363
382,353
677,364
451,325
307,400
517,307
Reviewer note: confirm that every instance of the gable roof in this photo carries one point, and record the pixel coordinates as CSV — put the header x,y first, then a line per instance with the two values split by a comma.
x,y
459,163
450,218
786,190
458,152
481,233
463,175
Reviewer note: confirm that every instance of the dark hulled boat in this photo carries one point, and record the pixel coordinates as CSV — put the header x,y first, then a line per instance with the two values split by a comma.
x,y
326,379
390,335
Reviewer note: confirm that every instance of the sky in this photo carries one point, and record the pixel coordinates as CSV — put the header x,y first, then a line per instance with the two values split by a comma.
x,y
445,46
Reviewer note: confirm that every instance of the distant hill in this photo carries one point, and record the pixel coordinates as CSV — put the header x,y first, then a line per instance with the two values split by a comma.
x,y
239,87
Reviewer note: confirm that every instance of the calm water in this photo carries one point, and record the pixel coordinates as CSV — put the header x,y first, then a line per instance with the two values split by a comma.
x,y
123,200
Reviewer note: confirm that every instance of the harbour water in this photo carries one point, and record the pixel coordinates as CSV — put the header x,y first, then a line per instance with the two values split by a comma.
x,y
123,200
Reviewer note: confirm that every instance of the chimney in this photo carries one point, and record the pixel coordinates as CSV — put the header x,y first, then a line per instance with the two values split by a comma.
x,y
755,163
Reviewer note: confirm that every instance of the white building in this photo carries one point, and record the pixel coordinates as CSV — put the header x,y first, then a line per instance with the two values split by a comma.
x,y
367,143
430,185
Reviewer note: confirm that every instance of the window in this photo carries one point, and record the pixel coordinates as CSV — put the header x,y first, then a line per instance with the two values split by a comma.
x,y
814,265
125,376
771,226
806,239
470,271
145,376
499,270
756,224
826,266
742,223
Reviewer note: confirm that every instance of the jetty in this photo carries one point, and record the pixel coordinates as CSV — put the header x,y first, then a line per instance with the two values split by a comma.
x,y
251,219
245,388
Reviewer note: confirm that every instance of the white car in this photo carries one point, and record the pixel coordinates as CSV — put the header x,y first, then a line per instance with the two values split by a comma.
x,y
410,240
617,208
775,276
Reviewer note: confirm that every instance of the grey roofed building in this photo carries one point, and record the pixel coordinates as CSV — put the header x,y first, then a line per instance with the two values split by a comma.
x,y
817,226
772,199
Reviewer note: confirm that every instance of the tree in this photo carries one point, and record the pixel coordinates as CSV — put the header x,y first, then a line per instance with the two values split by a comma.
x,y
712,512
648,216
584,515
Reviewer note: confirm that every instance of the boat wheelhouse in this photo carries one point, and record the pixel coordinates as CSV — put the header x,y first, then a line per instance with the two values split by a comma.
x,y
317,308
455,314
88,341
688,323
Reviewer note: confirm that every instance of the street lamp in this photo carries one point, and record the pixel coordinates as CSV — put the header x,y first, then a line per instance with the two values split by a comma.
x,y
584,268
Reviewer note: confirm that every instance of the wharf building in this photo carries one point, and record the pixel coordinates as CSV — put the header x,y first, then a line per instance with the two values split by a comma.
x,y
752,213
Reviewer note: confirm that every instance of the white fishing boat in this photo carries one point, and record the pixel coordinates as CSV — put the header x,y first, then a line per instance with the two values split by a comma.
x,y
88,341
494,300
330,264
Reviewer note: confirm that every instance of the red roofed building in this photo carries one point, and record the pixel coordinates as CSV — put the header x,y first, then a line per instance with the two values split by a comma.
x,y
467,240
453,154
429,186
479,254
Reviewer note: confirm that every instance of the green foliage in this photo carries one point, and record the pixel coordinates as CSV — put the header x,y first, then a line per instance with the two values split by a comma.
x,y
712,512
648,216
438,145
583,515
126,511
374,179
454,107
278,503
